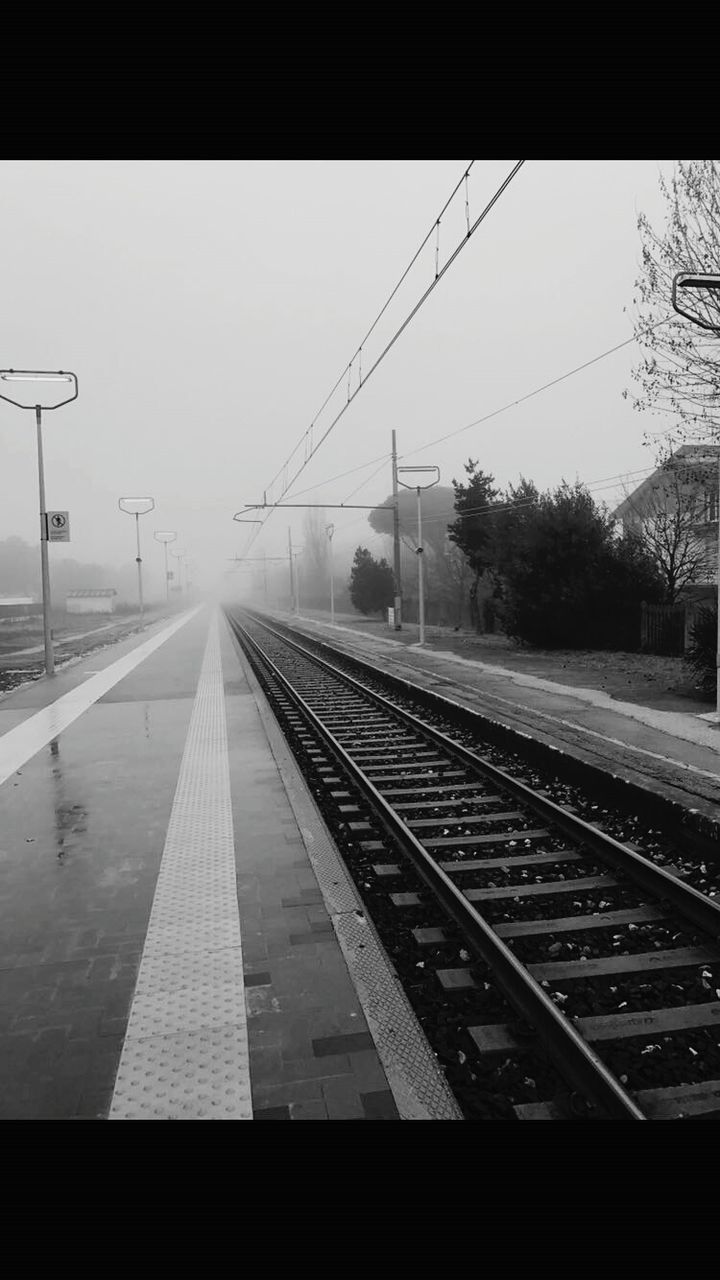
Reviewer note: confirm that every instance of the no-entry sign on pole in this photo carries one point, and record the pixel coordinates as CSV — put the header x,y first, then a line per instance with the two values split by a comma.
x,y
57,526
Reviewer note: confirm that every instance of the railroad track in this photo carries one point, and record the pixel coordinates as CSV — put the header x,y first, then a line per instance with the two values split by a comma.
x,y
602,965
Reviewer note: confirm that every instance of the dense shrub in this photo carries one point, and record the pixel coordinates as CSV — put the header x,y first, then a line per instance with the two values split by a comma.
x,y
702,653
569,582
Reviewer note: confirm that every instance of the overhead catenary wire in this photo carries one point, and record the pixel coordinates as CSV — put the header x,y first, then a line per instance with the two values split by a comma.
x,y
307,440
402,279
410,453
478,421
415,309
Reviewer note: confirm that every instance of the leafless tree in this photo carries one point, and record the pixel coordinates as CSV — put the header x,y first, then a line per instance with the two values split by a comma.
x,y
680,366
669,522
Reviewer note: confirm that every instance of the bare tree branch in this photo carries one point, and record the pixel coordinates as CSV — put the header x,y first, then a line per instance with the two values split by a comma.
x,y
679,370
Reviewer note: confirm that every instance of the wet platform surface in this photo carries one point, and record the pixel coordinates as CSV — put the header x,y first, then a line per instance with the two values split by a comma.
x,y
166,948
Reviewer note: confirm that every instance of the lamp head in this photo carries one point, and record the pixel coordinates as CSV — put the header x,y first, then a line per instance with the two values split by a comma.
x,y
40,377
136,506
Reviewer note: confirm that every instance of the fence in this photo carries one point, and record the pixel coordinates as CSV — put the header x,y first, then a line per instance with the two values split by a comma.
x,y
662,628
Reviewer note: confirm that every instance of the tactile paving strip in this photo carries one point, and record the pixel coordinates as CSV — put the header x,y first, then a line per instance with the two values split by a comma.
x,y
419,1087
185,1055
418,1084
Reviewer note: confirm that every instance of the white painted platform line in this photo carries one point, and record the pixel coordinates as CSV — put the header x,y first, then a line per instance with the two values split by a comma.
x,y
185,1055
18,745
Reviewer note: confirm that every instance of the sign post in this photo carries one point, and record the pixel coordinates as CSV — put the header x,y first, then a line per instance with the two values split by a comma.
x,y
40,377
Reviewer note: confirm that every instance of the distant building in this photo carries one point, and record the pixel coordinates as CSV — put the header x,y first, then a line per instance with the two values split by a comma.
x,y
688,482
12,607
91,600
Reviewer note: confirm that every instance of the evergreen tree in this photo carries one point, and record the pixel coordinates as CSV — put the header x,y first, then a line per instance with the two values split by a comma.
x,y
569,582
372,585
473,531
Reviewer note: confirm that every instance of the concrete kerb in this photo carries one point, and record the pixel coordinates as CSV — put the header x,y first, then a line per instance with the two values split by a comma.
x,y
631,794
699,729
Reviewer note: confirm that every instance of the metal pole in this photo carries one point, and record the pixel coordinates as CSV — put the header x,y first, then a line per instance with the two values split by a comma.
x,y
44,565
332,584
167,580
265,578
292,573
717,660
396,538
297,585
421,595
139,564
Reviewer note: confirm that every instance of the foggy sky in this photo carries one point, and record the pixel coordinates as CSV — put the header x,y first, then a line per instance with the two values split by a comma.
x,y
208,307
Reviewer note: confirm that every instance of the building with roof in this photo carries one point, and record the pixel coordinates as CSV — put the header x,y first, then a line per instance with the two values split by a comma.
x,y
675,513
91,600
678,507
13,608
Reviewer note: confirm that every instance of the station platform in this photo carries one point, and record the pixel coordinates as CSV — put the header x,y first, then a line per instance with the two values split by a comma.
x,y
178,937
671,754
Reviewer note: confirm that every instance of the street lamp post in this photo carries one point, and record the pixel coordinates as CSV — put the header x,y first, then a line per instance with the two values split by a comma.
x,y
330,529
185,562
165,536
704,280
137,507
296,558
42,376
421,587
397,567
179,556
292,572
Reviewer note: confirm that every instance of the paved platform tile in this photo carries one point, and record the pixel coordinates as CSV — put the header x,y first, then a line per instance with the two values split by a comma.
x,y
185,1054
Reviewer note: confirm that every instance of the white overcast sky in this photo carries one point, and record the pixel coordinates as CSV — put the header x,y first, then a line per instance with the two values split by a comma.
x,y
208,307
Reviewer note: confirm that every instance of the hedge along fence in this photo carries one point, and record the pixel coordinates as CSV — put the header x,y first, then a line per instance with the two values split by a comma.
x,y
662,628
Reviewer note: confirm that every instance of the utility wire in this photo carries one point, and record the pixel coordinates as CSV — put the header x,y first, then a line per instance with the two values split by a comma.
x,y
511,405
312,445
478,421
362,484
414,311
375,322
403,277
353,470
593,486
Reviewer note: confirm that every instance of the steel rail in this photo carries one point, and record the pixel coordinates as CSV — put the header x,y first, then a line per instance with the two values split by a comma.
x,y
702,911
580,1064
